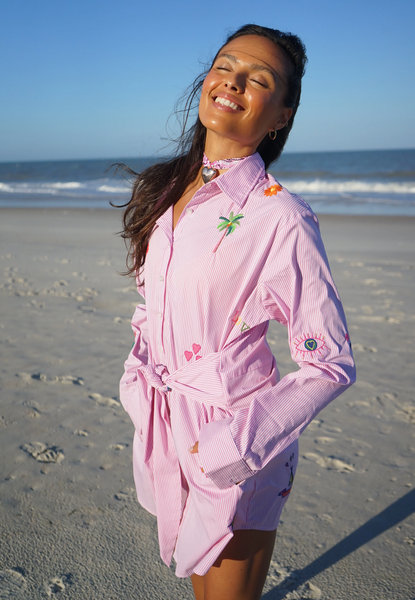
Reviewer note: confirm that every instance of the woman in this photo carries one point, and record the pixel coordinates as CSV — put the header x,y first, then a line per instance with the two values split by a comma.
x,y
219,249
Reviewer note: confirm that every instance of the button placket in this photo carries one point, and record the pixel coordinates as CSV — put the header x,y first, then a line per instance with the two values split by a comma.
x,y
162,294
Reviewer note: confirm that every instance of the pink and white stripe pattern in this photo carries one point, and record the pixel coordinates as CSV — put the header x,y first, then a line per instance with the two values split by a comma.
x,y
201,369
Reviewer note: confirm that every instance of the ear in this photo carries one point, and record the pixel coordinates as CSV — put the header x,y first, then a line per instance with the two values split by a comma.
x,y
283,118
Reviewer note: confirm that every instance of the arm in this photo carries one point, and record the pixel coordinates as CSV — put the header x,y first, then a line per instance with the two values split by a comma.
x,y
133,384
298,291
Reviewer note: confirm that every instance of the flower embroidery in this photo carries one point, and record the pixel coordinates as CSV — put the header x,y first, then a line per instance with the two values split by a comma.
x,y
229,225
274,189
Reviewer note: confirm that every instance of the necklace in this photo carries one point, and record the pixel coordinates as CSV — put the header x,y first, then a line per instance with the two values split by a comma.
x,y
210,169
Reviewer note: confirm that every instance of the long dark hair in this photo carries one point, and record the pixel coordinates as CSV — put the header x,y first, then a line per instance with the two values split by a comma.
x,y
164,183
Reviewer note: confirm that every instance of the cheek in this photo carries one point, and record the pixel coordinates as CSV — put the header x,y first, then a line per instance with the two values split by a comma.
x,y
209,83
203,102
263,106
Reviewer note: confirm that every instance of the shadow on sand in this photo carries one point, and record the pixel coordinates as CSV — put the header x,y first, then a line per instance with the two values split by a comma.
x,y
396,512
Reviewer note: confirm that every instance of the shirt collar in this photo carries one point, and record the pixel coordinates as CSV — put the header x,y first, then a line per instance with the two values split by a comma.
x,y
238,181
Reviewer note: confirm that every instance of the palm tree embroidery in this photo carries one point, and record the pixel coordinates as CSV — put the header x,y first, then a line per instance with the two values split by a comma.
x,y
229,225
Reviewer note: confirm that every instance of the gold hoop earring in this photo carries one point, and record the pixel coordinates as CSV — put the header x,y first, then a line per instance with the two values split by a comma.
x,y
272,135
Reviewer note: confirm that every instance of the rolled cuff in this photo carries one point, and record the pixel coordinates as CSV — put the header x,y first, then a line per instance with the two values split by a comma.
x,y
219,456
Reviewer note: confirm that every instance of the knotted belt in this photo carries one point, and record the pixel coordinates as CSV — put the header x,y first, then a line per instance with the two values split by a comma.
x,y
200,381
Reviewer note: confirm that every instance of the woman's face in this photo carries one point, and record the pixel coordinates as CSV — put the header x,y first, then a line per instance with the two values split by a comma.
x,y
243,94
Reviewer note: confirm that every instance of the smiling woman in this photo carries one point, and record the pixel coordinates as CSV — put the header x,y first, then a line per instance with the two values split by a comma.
x,y
219,248
248,79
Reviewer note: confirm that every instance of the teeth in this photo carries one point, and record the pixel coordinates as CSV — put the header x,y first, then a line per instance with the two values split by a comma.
x,y
226,102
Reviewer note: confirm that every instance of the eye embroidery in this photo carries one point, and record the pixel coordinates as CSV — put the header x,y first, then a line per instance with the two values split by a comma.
x,y
309,345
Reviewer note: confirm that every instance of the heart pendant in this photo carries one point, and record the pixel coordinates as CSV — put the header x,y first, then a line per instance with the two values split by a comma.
x,y
208,174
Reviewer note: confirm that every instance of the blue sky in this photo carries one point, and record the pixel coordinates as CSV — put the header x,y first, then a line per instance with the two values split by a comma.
x,y
98,79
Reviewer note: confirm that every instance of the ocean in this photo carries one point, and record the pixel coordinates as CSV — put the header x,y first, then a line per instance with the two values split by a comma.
x,y
380,182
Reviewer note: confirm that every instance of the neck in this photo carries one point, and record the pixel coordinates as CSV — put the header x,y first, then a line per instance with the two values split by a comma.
x,y
219,148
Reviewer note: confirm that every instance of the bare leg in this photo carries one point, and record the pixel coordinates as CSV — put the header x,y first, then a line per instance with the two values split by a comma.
x,y
240,571
198,582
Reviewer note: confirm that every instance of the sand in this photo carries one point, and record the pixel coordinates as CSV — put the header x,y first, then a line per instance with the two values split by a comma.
x,y
70,526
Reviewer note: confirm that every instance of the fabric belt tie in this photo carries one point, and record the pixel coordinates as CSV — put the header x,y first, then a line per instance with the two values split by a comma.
x,y
199,380
196,381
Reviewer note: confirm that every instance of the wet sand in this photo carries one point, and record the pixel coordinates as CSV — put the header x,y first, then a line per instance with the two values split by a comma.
x,y
70,526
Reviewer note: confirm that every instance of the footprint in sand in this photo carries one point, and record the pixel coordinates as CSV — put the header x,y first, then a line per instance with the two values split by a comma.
x,y
323,440
87,309
55,586
126,496
117,447
315,424
362,348
81,432
12,584
379,319
105,400
386,398
63,379
122,320
383,293
280,578
358,403
43,453
329,462
407,412
372,282
332,429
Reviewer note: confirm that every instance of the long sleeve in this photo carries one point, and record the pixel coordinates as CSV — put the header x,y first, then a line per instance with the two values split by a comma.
x,y
297,290
133,384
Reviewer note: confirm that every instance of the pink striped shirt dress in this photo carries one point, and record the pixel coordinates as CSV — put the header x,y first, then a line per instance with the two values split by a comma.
x,y
244,251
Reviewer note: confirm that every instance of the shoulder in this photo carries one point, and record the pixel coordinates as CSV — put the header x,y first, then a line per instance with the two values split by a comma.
x,y
277,203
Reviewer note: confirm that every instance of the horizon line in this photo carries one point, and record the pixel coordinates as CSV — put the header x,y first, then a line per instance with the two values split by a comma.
x,y
161,157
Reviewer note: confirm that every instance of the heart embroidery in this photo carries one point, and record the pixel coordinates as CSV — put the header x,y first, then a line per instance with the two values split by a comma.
x,y
198,356
196,348
188,355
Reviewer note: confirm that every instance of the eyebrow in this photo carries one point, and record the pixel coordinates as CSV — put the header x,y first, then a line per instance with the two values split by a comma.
x,y
253,66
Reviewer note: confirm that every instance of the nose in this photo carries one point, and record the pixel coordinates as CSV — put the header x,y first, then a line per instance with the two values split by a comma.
x,y
235,82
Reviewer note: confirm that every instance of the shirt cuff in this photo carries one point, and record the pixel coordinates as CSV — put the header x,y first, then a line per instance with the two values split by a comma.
x,y
219,456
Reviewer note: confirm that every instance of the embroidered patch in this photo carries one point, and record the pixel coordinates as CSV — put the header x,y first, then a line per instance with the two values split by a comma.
x,y
310,344
284,493
347,338
228,226
238,321
189,355
273,190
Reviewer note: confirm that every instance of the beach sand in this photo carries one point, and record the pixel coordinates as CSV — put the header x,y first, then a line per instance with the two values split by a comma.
x,y
70,526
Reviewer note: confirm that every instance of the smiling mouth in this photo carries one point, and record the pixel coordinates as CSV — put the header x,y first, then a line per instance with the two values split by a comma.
x,y
226,102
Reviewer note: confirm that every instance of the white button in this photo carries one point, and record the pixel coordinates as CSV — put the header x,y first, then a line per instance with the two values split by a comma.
x,y
160,315
161,278
189,211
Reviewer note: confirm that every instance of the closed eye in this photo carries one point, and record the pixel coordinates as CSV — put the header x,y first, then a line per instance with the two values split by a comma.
x,y
259,82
